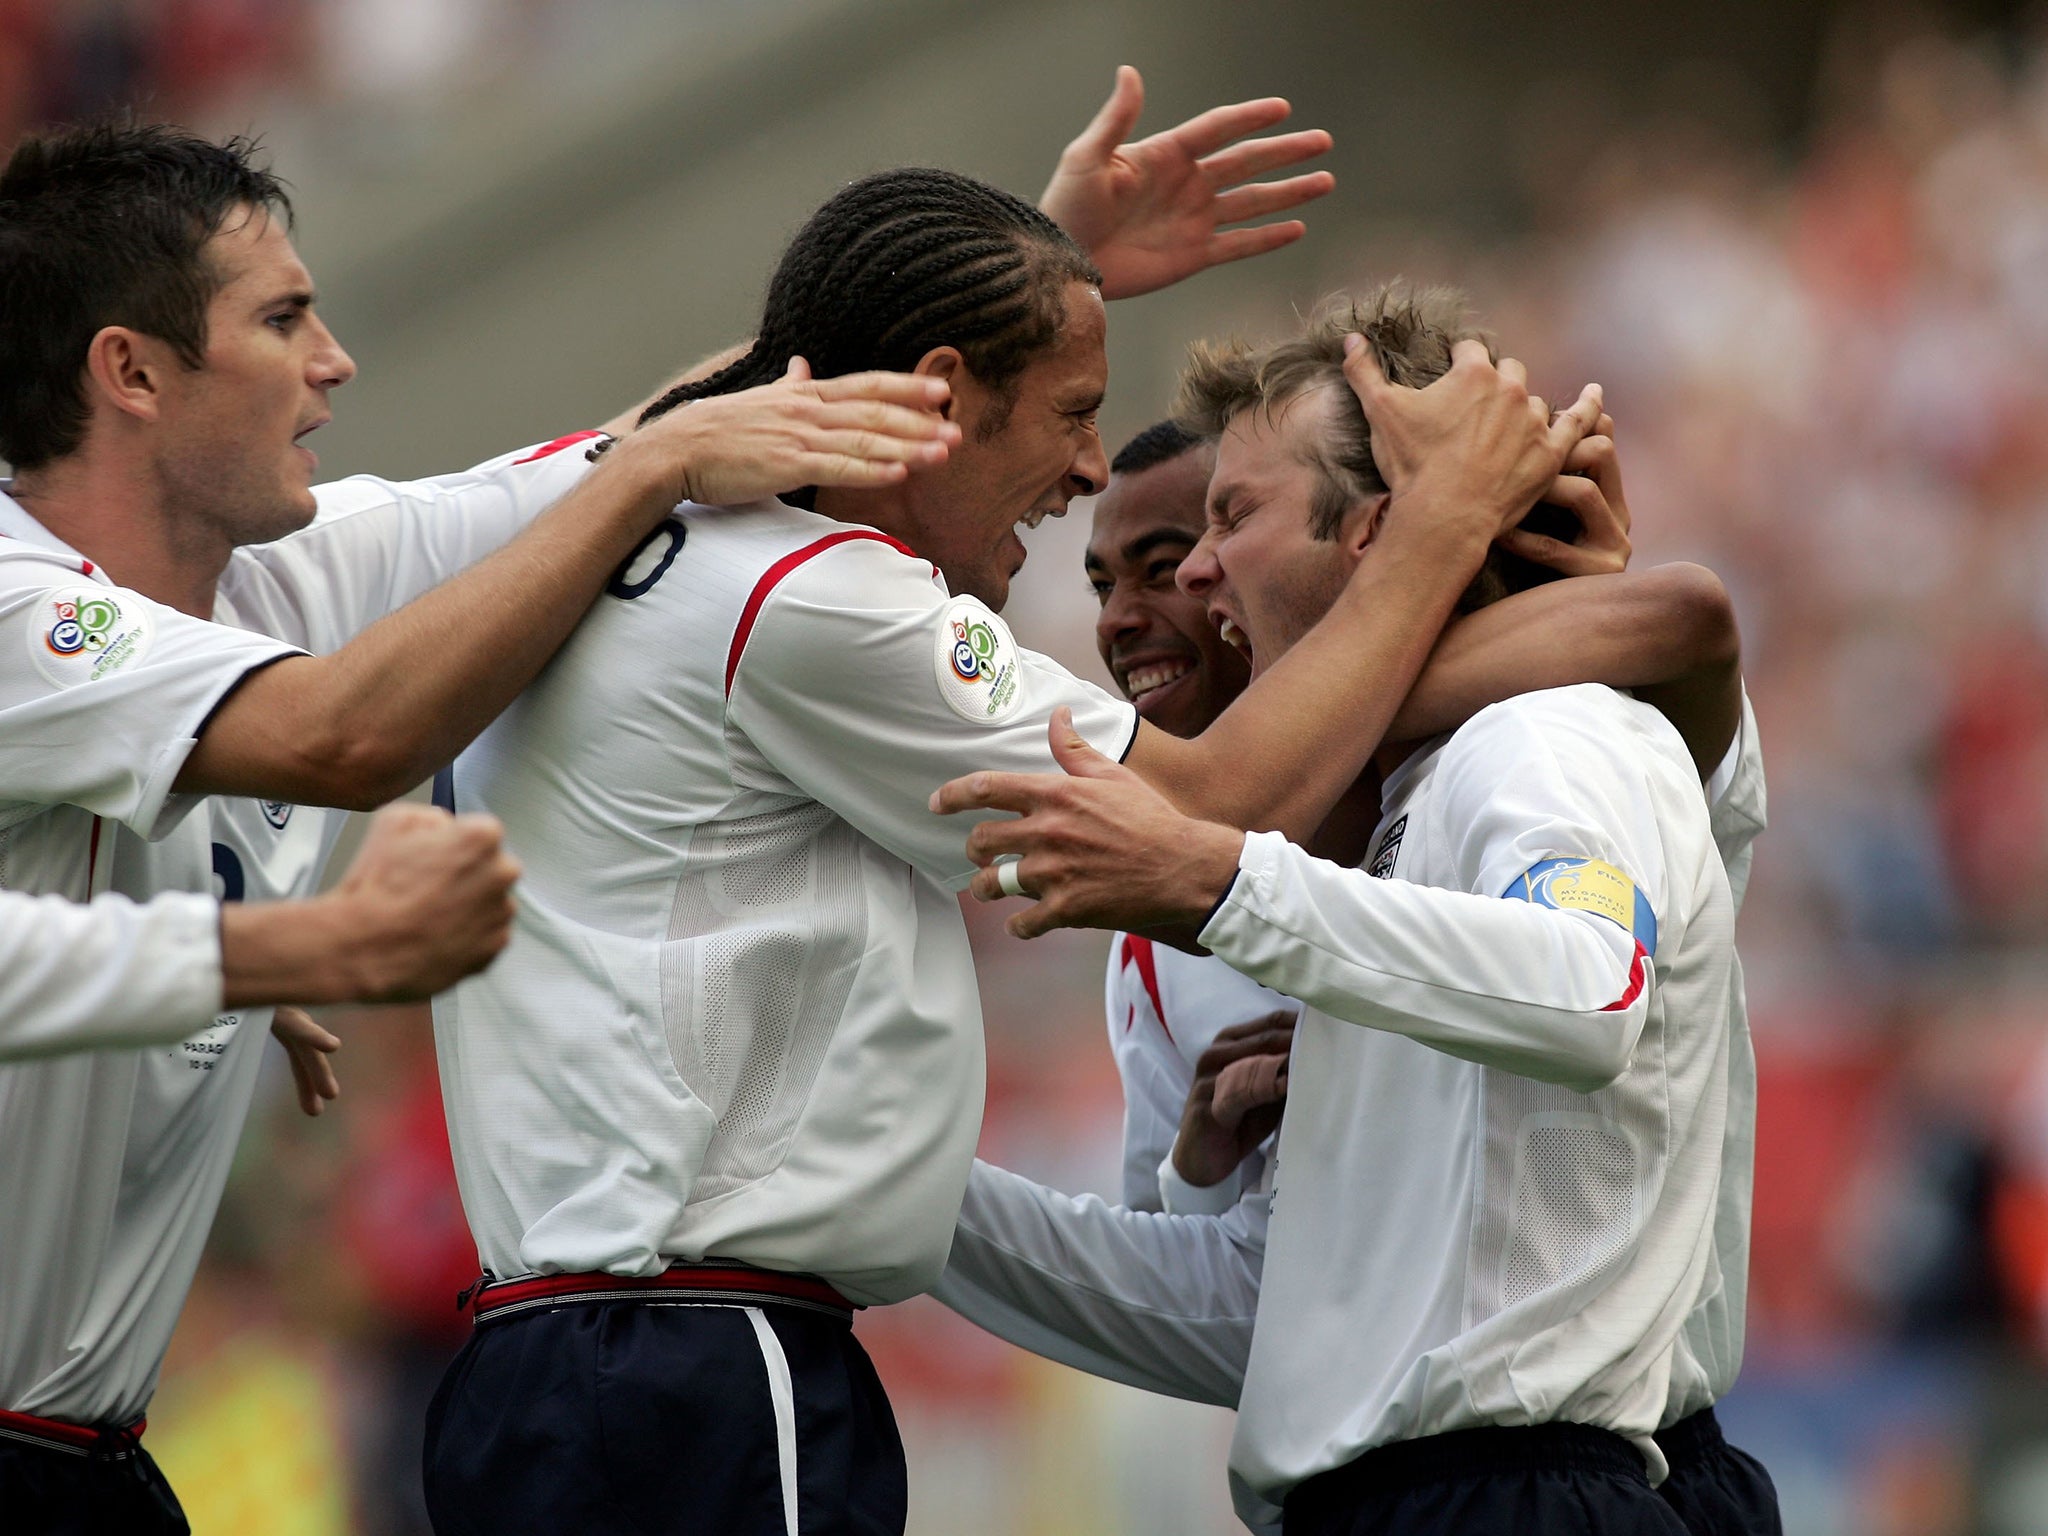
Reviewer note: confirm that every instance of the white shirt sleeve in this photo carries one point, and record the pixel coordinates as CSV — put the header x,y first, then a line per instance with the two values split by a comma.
x,y
862,683
1559,993
1164,1303
378,544
103,692
108,975
1735,796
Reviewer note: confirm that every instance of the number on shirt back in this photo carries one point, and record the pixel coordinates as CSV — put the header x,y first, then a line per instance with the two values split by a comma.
x,y
650,562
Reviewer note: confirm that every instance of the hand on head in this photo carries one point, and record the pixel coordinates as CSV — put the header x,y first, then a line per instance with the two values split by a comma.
x,y
860,429
1475,441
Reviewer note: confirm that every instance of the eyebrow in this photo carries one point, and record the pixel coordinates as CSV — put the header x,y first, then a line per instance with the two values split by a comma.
x,y
1145,543
302,299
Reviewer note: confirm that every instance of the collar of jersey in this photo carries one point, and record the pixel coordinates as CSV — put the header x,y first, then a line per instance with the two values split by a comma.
x,y
15,523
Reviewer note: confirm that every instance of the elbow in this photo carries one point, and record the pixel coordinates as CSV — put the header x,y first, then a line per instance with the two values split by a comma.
x,y
354,770
1604,1050
1703,616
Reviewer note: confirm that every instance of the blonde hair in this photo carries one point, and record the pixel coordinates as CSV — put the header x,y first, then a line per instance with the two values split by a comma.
x,y
1411,330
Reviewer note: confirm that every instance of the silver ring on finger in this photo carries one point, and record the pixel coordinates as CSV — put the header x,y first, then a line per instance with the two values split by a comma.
x,y
1007,877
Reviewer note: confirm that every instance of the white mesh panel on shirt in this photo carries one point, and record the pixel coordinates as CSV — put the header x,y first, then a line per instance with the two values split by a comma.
x,y
1574,1203
767,932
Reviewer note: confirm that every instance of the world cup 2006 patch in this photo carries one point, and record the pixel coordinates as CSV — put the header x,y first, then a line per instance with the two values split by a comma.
x,y
976,663
81,634
1589,885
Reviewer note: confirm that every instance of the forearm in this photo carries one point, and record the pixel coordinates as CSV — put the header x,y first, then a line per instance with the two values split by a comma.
x,y
1553,995
1158,1302
361,726
1279,758
107,975
308,952
1668,633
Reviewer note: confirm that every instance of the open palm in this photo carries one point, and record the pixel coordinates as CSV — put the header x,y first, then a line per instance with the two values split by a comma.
x,y
1152,212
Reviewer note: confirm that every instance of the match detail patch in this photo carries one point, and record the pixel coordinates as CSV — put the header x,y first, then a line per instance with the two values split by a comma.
x,y
1588,885
975,661
81,634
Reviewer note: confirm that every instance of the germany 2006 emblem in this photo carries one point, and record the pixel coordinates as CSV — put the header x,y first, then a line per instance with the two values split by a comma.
x,y
80,634
977,665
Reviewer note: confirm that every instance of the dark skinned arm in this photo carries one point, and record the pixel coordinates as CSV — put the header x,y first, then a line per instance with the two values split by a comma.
x,y
1668,634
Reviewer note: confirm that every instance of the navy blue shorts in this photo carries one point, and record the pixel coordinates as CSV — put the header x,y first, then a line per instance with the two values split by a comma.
x,y
659,1418
109,1487
1531,1481
1716,1489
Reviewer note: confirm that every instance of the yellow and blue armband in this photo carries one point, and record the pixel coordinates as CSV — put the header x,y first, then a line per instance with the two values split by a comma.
x,y
1589,885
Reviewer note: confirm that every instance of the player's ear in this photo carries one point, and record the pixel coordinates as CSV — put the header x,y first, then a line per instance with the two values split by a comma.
x,y
1362,523
127,369
945,363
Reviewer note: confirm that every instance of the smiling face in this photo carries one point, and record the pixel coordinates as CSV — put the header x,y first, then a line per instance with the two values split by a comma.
x,y
1026,453
229,459
1155,639
1260,571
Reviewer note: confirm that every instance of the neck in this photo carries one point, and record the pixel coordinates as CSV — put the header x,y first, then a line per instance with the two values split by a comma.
x,y
113,514
883,508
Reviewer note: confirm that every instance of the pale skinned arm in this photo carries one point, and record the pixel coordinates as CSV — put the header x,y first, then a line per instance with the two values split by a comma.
x,y
361,726
426,902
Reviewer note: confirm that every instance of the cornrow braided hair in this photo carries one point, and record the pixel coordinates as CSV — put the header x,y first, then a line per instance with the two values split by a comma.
x,y
899,263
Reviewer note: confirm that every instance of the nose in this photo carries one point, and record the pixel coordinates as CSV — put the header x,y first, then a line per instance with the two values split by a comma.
x,y
329,367
1089,472
1201,570
1122,615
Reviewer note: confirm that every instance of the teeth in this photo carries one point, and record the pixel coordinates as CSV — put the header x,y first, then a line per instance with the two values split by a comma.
x,y
1145,679
1038,515
1232,635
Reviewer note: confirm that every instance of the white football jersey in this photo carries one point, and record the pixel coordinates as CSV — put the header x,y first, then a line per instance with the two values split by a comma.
x,y
738,1016
1168,1304
1164,1007
114,1158
1518,1157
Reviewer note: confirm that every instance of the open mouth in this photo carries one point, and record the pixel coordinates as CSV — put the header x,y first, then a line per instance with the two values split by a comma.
x,y
1037,515
1141,682
1234,637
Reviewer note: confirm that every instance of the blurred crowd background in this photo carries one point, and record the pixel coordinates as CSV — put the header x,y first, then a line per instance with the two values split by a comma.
x,y
1809,262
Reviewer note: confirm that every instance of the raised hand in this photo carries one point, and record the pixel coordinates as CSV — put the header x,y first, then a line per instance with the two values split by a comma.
x,y
307,1047
1099,847
1239,1092
1151,213
861,429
